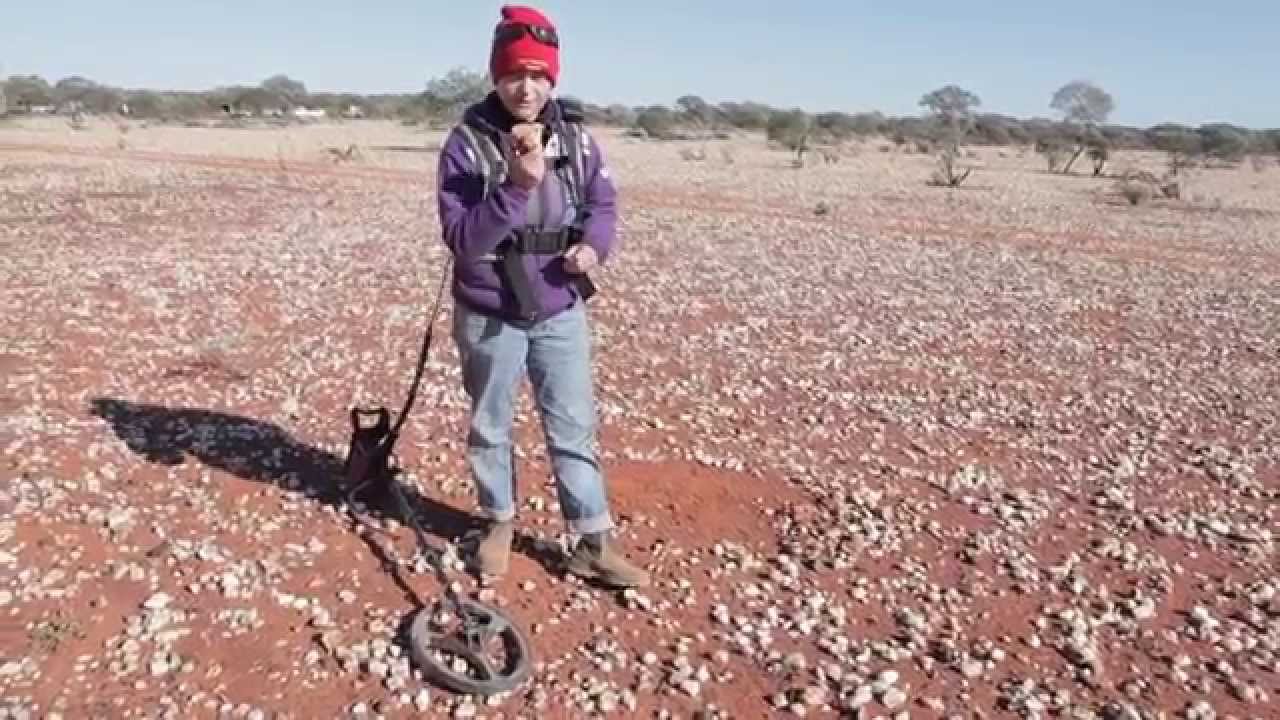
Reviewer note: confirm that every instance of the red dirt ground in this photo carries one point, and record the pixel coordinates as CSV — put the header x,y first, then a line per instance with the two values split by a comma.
x,y
155,349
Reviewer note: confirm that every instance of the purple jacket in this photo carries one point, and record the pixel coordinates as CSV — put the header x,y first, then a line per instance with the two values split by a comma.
x,y
473,227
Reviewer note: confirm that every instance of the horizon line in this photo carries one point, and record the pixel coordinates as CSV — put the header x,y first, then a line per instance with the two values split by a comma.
x,y
630,105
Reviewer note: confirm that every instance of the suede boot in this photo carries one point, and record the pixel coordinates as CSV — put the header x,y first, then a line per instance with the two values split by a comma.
x,y
493,555
596,557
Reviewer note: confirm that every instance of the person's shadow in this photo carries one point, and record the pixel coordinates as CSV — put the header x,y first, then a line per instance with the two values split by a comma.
x,y
266,453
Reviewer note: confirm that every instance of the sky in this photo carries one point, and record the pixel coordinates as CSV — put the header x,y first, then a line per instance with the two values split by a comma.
x,y
1177,61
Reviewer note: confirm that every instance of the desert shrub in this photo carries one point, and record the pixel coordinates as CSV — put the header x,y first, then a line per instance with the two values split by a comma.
x,y
1269,141
351,153
1181,143
1225,143
1135,191
657,122
746,115
867,124
949,172
694,111
1055,150
835,126
791,130
995,130
693,155
445,97
1019,135
1123,137
1140,186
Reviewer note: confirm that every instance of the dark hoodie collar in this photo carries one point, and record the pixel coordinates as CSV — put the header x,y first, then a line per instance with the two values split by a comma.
x,y
490,113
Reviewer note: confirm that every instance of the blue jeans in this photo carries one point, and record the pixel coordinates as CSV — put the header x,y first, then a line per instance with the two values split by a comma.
x,y
557,354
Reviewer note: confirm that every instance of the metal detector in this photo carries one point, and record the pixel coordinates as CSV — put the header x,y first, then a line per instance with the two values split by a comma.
x,y
459,643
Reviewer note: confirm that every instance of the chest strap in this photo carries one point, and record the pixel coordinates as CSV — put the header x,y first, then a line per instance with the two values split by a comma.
x,y
543,242
526,241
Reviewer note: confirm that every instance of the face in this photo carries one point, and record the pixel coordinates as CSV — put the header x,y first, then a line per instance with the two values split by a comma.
x,y
524,92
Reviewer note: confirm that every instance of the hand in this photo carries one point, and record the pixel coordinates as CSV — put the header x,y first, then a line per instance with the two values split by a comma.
x,y
526,137
580,258
527,164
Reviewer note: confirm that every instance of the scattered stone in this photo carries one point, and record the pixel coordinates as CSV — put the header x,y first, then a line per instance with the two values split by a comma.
x,y
159,666
863,695
893,698
1201,710
1143,609
983,420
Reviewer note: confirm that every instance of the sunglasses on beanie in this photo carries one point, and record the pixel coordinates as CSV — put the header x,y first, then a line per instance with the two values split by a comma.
x,y
510,32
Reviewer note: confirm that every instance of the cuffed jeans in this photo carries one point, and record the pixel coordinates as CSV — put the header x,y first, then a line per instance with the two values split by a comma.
x,y
557,355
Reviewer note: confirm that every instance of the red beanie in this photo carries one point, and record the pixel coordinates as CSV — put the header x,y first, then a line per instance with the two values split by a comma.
x,y
515,46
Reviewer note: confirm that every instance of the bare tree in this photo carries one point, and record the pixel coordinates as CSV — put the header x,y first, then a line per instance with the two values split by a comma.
x,y
951,110
1087,106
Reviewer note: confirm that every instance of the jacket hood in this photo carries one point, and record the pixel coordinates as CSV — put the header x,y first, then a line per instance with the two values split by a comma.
x,y
491,115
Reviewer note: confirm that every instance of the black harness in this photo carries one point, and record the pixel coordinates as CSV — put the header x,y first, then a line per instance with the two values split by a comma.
x,y
509,254
525,241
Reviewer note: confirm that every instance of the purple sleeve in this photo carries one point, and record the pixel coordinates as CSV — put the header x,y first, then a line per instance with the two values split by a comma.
x,y
471,224
601,199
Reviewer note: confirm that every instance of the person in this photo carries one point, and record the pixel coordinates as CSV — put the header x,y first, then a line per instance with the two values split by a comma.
x,y
527,209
